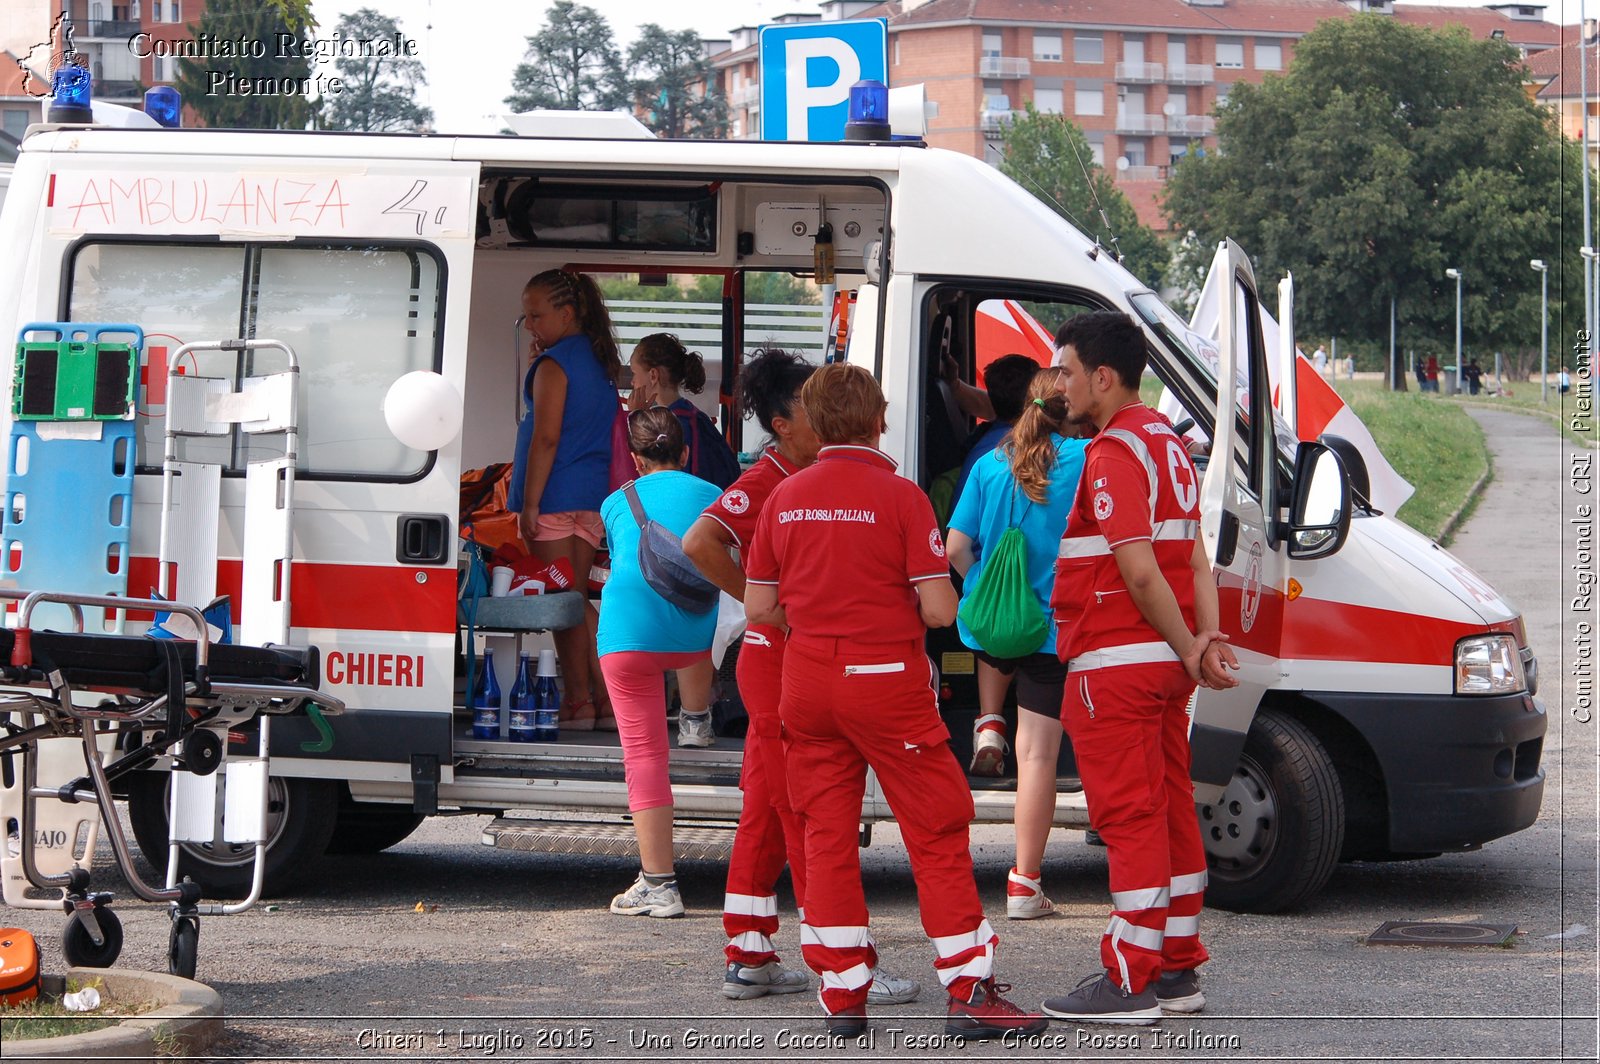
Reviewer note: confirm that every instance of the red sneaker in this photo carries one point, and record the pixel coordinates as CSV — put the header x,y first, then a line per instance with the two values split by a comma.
x,y
989,1015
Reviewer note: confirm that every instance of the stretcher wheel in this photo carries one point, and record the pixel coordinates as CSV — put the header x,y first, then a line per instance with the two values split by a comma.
x,y
202,752
183,946
79,948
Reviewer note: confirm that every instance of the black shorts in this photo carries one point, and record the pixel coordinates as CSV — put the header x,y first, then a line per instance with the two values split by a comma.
x,y
1041,681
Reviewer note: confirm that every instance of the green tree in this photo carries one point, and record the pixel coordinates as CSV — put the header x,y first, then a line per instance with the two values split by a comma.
x,y
1387,154
219,103
1050,157
674,87
572,64
379,92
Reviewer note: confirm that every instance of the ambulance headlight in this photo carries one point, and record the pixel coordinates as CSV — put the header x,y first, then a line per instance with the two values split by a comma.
x,y
1489,665
423,410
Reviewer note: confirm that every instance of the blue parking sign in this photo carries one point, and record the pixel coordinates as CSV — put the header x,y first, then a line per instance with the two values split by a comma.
x,y
807,70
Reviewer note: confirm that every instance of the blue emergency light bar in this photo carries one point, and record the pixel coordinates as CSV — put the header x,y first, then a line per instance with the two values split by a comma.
x,y
163,104
869,112
71,91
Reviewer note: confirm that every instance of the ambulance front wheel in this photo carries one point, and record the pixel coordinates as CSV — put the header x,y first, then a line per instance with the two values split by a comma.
x,y
1273,839
300,819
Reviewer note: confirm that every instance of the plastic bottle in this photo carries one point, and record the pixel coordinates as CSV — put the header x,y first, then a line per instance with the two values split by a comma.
x,y
486,702
522,702
547,700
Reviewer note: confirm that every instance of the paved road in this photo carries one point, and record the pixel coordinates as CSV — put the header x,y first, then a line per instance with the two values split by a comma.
x,y
350,969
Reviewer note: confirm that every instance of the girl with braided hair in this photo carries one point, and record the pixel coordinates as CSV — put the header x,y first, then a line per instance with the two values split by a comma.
x,y
562,465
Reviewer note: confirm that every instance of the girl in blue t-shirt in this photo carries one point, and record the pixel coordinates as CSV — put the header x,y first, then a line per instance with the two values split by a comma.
x,y
563,458
642,638
1028,482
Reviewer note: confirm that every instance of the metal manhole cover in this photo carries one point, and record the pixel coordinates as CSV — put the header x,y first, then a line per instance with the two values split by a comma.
x,y
1417,933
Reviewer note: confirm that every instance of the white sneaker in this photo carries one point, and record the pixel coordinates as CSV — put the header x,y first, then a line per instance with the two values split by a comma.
x,y
988,751
646,899
1025,898
886,989
741,982
694,729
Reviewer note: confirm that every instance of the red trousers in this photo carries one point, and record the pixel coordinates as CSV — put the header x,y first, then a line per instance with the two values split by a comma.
x,y
769,831
1130,730
847,706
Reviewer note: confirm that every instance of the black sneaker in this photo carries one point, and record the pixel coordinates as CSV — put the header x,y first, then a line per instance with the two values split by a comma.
x,y
846,1023
1180,991
989,1015
1096,999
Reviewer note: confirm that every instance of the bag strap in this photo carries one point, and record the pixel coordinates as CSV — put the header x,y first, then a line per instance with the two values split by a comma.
x,y
634,504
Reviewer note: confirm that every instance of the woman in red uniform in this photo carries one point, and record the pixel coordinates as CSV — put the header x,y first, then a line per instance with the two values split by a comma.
x,y
849,556
769,832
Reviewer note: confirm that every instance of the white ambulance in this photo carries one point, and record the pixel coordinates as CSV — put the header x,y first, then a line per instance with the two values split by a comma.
x,y
1387,706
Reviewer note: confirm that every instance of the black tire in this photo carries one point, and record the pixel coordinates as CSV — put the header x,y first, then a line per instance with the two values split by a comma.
x,y
300,820
370,827
1273,839
183,946
79,948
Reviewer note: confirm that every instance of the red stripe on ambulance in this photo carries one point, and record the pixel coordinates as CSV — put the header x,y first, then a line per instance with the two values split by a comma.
x,y
367,598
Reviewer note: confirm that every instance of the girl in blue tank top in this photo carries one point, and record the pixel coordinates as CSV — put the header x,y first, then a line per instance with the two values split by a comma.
x,y
560,469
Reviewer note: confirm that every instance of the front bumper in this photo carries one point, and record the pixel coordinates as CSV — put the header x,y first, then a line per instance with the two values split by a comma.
x,y
1458,771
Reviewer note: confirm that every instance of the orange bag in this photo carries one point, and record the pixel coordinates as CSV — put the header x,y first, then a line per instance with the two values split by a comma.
x,y
484,517
19,966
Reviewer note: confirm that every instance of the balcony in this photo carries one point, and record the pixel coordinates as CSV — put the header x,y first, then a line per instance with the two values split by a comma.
x,y
1191,125
748,96
994,122
1190,73
1140,73
1142,173
112,28
1139,125
1002,66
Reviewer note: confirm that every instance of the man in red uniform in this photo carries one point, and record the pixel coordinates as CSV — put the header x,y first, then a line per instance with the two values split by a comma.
x,y
849,556
1136,608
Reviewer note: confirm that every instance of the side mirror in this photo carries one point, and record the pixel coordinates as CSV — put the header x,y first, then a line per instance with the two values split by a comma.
x,y
1319,518
1355,466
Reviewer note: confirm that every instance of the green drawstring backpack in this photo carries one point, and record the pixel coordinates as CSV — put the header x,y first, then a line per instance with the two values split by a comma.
x,y
1002,612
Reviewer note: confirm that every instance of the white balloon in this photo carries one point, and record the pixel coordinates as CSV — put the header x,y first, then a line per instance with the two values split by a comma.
x,y
423,410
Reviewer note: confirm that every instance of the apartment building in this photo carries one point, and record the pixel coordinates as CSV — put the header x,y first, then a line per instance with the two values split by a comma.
x,y
106,33
1140,77
1556,80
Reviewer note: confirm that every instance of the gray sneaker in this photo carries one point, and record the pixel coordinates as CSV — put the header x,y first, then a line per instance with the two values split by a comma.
x,y
694,729
645,899
744,982
1180,991
1096,999
887,989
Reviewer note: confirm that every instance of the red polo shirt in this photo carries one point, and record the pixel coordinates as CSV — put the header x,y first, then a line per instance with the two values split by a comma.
x,y
741,505
844,541
1138,483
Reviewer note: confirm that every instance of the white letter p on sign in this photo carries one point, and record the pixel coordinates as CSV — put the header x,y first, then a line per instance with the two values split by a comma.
x,y
802,97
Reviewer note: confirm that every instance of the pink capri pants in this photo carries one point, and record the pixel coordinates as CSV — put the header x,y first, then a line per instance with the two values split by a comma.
x,y
636,681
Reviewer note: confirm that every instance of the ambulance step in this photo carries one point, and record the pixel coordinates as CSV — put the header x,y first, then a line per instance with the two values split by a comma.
x,y
610,839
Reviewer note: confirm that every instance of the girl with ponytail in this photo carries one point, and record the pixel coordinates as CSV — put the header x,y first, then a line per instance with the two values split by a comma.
x,y
1028,482
663,369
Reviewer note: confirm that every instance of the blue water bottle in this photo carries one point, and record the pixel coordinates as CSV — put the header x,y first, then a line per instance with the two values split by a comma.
x,y
522,702
486,702
547,700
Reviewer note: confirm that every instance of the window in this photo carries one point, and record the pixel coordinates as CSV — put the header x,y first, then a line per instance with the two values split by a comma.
x,y
1047,47
15,121
1177,103
1134,151
1097,148
1269,55
991,45
177,11
1230,53
1047,101
1222,92
897,51
1088,48
1089,98
155,11
1133,49
357,317
1177,50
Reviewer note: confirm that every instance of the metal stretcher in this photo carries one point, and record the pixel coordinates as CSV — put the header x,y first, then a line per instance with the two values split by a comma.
x,y
157,698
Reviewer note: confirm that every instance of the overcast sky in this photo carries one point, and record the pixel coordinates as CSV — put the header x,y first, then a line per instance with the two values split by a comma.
x,y
470,59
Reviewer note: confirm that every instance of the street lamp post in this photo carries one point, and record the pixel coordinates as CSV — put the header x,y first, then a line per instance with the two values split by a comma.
x,y
1455,275
1544,327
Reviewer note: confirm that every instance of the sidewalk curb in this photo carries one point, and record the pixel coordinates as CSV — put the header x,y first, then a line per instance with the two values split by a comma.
x,y
1453,523
188,1018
